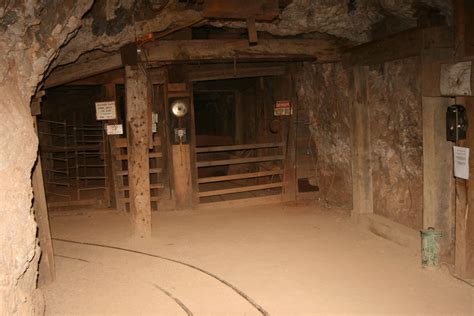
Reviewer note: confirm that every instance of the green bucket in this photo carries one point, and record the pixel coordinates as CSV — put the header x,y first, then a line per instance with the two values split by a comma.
x,y
430,247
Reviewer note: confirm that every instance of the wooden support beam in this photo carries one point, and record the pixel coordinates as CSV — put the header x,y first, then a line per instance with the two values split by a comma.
x,y
47,271
241,176
73,72
464,223
138,138
266,10
252,31
401,45
237,147
237,161
438,182
362,189
241,189
230,71
202,50
164,51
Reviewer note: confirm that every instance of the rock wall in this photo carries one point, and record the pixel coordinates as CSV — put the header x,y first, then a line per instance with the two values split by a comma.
x,y
323,93
394,95
31,33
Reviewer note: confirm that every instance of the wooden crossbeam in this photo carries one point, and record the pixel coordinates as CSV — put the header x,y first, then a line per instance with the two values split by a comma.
x,y
241,189
238,161
401,45
236,147
241,176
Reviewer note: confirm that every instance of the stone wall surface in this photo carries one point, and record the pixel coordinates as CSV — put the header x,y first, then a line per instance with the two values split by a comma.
x,y
394,91
324,94
31,33
394,95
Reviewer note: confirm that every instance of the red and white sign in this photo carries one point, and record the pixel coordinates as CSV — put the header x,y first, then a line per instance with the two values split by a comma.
x,y
283,108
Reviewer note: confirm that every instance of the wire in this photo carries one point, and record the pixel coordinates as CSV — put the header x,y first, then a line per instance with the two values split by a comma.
x,y
234,288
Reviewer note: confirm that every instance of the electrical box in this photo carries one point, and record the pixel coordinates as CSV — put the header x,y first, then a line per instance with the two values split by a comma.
x,y
456,122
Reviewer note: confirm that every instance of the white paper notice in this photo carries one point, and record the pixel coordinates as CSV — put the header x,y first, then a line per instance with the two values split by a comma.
x,y
116,129
461,162
105,110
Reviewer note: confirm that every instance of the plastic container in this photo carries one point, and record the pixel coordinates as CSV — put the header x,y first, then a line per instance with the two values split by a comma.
x,y
430,247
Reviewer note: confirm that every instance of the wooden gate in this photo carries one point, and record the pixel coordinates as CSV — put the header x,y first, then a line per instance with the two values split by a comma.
x,y
227,173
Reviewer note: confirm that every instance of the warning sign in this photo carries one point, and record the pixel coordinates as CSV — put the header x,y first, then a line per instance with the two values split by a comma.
x,y
283,108
105,111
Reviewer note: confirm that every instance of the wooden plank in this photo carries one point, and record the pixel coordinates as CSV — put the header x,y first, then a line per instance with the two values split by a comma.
x,y
47,271
76,71
123,142
238,161
182,176
152,186
138,162
222,71
152,170
252,31
265,10
401,45
241,176
322,50
237,147
261,200
361,152
438,181
288,88
241,189
111,77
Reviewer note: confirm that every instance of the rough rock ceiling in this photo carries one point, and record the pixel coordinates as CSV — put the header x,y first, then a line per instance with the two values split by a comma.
x,y
112,23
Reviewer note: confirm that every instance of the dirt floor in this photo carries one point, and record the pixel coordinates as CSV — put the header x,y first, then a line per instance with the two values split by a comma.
x,y
286,260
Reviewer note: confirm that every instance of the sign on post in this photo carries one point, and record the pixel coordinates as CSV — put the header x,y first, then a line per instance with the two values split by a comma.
x,y
105,111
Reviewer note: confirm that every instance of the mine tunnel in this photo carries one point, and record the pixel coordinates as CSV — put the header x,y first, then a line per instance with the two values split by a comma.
x,y
236,157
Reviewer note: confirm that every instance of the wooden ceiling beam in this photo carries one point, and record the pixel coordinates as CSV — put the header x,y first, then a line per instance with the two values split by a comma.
x,y
401,45
322,50
179,51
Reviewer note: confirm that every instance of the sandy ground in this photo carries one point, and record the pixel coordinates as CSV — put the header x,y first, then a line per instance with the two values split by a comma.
x,y
289,260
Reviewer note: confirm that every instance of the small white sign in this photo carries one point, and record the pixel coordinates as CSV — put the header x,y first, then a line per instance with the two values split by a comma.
x,y
115,129
105,110
461,162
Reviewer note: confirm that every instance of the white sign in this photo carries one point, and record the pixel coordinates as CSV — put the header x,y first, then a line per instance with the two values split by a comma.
x,y
105,110
456,79
115,129
461,162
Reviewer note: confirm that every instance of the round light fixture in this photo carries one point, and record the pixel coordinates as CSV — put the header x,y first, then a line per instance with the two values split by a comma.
x,y
179,107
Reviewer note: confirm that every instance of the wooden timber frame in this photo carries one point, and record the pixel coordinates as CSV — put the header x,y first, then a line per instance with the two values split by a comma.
x,y
442,207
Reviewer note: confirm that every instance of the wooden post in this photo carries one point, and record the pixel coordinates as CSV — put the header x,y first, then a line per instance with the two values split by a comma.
x,y
138,162
289,176
361,153
438,183
47,271
464,236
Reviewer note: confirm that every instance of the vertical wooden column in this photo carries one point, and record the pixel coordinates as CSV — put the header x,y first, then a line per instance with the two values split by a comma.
x,y
183,156
289,177
47,271
464,236
138,138
362,189
438,182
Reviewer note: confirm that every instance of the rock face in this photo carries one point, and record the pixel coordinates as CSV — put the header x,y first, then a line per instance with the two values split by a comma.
x,y
396,141
31,34
347,19
324,94
394,96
